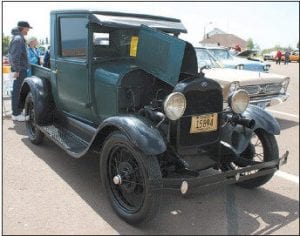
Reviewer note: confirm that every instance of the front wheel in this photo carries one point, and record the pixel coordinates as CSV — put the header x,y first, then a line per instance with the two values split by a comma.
x,y
128,177
262,148
34,134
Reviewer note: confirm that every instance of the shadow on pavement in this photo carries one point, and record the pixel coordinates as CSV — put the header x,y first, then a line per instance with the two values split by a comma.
x,y
19,127
286,124
222,210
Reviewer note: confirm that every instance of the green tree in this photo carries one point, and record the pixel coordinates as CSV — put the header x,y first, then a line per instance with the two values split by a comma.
x,y
5,44
277,47
250,44
256,46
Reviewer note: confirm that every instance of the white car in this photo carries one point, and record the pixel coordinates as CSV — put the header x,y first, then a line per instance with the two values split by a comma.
x,y
265,89
269,56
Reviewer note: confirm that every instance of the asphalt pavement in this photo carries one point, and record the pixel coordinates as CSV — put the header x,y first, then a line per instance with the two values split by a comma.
x,y
45,191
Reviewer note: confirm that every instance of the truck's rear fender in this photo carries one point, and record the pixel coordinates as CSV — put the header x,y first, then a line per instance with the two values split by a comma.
x,y
139,131
42,98
263,119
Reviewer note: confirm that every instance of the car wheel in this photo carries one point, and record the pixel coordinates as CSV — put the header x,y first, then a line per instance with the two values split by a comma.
x,y
34,134
262,148
129,178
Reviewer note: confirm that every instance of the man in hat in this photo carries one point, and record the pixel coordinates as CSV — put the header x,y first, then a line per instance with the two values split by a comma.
x,y
19,65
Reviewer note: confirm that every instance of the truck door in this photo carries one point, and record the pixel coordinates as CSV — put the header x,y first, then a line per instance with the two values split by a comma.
x,y
72,66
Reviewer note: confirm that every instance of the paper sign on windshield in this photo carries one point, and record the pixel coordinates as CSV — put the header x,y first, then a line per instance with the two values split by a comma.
x,y
133,45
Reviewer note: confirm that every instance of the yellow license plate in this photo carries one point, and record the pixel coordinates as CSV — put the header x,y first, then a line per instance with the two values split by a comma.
x,y
204,123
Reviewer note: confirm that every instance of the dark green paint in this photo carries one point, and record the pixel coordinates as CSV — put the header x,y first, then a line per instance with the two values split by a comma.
x,y
160,54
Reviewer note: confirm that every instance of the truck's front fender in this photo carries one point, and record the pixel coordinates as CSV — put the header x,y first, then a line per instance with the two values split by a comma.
x,y
42,98
263,119
140,132
236,138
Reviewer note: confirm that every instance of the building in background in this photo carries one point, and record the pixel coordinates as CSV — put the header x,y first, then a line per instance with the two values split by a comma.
x,y
218,37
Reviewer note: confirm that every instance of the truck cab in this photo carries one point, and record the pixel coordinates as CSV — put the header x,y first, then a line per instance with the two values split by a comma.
x,y
93,50
127,88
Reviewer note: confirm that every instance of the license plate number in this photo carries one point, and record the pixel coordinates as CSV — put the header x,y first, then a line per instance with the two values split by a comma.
x,y
204,123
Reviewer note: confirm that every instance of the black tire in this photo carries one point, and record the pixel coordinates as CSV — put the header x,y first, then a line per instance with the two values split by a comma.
x,y
262,147
134,200
34,134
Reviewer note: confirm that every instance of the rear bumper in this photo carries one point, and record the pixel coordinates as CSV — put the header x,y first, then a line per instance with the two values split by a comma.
x,y
228,177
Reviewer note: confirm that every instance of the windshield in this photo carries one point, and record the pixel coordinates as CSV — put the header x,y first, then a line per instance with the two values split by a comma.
x,y
220,54
205,58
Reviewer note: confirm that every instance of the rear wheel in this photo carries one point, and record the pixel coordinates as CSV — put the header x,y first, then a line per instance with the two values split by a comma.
x,y
262,148
126,175
34,134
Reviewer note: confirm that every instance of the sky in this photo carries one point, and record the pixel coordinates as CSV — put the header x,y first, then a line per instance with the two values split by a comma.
x,y
267,23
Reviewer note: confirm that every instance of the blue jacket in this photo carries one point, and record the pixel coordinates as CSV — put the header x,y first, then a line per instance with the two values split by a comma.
x,y
17,51
33,55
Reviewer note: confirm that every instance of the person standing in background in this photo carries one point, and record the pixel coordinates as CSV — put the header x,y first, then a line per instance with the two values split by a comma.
x,y
278,57
19,65
33,53
47,58
287,57
237,48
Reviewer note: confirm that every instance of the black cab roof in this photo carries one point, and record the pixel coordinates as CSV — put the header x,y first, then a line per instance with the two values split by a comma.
x,y
129,20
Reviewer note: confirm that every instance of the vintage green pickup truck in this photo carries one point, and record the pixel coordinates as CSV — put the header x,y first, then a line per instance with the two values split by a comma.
x,y
126,87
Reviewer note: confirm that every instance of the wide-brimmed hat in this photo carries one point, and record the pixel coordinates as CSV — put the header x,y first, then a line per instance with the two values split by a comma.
x,y
24,24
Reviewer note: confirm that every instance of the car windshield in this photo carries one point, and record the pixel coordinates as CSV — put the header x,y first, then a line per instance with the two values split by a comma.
x,y
205,58
220,54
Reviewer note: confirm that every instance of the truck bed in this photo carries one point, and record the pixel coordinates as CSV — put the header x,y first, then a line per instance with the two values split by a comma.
x,y
41,72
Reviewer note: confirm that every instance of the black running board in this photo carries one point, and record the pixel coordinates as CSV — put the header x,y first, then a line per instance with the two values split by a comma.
x,y
67,140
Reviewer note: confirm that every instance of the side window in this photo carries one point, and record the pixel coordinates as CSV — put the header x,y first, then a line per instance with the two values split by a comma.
x,y
116,43
101,39
74,37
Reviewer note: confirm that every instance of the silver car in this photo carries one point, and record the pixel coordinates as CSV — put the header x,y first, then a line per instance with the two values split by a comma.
x,y
265,89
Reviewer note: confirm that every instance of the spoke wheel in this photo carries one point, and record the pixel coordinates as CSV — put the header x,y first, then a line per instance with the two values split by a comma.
x,y
126,175
129,192
262,148
34,134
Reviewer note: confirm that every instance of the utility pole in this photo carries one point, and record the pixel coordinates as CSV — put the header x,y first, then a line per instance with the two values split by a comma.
x,y
209,23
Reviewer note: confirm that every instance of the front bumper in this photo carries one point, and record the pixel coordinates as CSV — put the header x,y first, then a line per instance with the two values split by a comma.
x,y
228,177
269,100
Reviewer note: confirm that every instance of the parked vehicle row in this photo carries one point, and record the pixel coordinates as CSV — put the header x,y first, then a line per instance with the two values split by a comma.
x,y
264,89
293,57
239,61
269,56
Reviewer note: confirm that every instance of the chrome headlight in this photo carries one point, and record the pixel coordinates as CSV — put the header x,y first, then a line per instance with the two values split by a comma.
x,y
284,85
239,100
174,105
239,67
